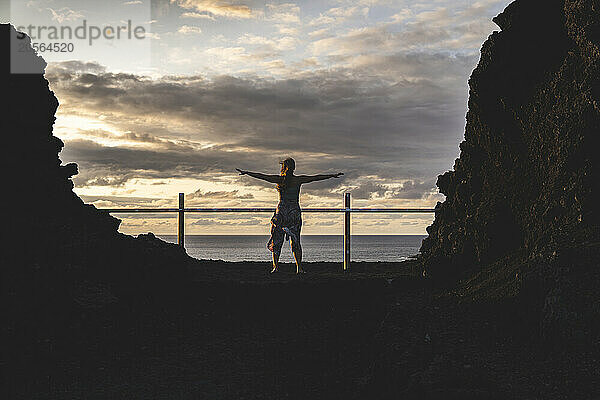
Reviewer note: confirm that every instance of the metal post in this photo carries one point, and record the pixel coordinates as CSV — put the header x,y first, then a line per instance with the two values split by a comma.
x,y
181,221
346,232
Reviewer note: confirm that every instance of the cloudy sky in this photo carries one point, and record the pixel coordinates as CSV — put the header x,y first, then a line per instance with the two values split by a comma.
x,y
374,88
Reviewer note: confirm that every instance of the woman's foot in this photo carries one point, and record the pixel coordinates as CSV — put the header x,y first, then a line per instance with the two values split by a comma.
x,y
300,271
274,270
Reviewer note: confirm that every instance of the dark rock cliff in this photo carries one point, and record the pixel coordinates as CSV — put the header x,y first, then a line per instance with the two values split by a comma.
x,y
528,163
58,250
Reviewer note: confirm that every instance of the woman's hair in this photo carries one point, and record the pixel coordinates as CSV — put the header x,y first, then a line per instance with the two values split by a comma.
x,y
287,170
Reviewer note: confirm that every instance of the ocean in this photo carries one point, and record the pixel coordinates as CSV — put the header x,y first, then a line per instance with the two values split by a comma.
x,y
315,248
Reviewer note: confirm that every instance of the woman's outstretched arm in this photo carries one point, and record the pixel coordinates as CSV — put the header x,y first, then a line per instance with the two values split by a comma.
x,y
258,175
314,178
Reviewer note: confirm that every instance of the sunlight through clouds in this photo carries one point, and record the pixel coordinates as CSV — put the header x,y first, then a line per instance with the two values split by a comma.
x,y
374,88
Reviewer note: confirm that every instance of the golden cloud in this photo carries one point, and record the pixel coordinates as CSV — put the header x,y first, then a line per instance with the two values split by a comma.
x,y
218,8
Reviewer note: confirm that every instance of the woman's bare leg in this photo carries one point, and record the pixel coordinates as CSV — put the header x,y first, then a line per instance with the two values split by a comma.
x,y
298,258
275,262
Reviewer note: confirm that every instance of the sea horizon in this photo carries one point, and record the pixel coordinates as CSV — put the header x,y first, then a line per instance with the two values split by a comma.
x,y
316,248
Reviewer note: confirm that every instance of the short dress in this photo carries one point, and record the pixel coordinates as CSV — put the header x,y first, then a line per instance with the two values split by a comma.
x,y
287,220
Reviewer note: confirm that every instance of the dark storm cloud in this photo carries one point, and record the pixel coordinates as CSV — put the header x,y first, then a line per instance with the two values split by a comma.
x,y
408,190
102,164
404,126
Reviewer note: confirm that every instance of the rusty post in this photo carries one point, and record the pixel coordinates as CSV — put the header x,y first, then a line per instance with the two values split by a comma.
x,y
346,231
181,221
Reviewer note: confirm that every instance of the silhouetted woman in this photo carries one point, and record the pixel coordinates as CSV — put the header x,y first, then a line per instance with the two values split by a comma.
x,y
287,220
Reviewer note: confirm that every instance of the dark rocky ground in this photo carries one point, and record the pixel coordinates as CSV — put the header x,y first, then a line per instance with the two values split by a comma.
x,y
236,332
